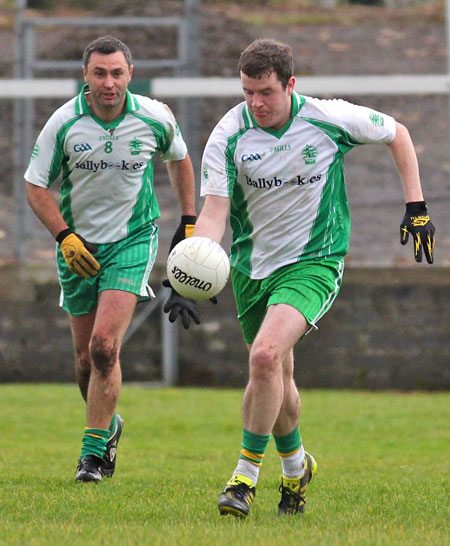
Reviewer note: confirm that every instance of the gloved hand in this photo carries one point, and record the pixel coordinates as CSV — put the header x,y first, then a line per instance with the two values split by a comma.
x,y
178,305
78,254
417,222
184,230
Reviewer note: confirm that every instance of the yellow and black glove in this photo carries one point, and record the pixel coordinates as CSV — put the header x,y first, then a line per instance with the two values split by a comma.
x,y
177,305
184,230
78,254
417,222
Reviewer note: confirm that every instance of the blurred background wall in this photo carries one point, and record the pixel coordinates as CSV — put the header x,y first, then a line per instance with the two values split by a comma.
x,y
389,327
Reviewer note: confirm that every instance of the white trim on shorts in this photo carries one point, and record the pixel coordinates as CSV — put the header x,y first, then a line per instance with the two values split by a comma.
x,y
145,289
331,297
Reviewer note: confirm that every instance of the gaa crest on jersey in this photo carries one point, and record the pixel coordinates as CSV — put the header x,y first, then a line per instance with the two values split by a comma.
x,y
251,157
309,155
84,147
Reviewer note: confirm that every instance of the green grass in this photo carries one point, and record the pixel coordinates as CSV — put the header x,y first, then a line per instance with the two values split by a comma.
x,y
383,475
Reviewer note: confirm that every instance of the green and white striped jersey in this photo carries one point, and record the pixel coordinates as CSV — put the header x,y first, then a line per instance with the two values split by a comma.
x,y
107,189
288,200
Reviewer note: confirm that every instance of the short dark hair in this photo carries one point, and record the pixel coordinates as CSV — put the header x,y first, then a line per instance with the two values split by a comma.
x,y
266,55
106,45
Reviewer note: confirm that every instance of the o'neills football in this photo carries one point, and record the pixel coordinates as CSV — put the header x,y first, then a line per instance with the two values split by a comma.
x,y
198,268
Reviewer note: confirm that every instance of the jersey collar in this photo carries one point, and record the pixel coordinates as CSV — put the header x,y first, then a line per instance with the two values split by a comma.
x,y
297,104
82,107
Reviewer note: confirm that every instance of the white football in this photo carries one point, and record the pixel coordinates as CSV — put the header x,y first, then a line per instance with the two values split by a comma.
x,y
198,268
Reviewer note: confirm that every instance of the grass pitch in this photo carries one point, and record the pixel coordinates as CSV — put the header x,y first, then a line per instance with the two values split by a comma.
x,y
383,476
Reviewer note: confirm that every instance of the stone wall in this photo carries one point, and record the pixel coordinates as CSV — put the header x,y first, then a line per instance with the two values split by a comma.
x,y
388,329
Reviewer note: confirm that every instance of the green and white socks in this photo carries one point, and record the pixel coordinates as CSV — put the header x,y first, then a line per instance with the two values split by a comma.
x,y
292,454
252,454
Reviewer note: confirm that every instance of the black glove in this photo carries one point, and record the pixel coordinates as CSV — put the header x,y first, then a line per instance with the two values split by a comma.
x,y
184,230
178,305
78,253
417,222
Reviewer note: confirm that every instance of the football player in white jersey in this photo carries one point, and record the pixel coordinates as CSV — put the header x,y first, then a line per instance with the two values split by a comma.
x,y
102,142
274,166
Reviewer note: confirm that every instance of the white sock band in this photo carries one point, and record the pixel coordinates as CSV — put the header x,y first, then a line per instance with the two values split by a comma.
x,y
247,469
294,465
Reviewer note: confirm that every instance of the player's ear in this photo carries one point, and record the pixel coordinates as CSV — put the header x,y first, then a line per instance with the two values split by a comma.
x,y
130,72
290,85
85,74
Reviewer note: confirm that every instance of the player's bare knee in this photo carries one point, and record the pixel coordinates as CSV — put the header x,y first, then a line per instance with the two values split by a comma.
x,y
104,354
264,362
83,362
83,373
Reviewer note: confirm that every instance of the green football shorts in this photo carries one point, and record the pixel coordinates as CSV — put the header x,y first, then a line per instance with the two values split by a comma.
x,y
125,265
310,287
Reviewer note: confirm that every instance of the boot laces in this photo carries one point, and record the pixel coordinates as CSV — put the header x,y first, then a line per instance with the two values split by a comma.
x,y
290,498
239,489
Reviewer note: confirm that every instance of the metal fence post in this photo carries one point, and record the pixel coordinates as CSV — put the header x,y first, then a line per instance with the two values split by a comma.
x,y
170,342
18,135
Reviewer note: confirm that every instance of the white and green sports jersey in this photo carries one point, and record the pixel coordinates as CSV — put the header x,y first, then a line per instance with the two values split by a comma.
x,y
288,200
107,188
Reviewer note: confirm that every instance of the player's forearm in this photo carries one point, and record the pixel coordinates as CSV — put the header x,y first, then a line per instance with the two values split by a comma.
x,y
212,220
405,159
45,208
182,178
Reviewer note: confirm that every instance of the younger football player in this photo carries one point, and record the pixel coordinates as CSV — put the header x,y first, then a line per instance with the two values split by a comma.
x,y
274,166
